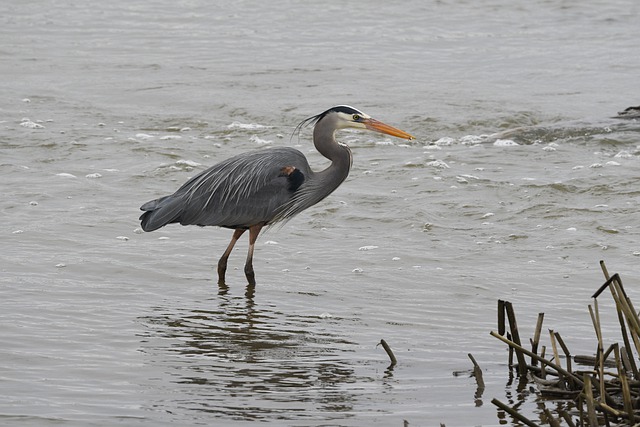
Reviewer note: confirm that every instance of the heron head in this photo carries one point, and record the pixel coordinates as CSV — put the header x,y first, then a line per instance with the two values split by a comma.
x,y
344,116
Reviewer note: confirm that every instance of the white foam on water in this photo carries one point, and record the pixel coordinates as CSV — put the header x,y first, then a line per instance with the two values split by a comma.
x,y
247,126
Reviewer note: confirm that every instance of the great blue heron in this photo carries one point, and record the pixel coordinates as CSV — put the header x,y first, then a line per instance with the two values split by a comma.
x,y
259,188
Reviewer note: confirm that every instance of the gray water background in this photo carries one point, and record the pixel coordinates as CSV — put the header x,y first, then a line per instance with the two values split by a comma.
x,y
519,182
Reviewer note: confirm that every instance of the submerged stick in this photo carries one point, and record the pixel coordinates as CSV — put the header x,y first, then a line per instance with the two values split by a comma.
x,y
550,419
567,418
515,414
386,347
582,359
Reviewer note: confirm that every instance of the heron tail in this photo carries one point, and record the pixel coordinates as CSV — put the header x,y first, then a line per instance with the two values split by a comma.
x,y
160,212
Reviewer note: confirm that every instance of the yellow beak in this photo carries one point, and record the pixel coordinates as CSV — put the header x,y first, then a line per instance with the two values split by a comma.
x,y
377,126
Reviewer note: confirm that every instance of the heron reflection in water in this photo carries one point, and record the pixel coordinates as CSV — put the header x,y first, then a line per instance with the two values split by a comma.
x,y
260,188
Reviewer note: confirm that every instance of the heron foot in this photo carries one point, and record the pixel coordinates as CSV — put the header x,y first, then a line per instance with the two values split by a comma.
x,y
250,292
223,289
222,270
251,277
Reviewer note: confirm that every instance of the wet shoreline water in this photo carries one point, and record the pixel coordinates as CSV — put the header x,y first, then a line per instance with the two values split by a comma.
x,y
518,183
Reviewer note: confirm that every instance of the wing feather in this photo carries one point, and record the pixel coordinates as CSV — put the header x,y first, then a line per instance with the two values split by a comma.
x,y
241,191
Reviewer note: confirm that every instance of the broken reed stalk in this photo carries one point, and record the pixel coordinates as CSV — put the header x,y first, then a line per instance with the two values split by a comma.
x,y
536,337
624,304
624,385
515,336
601,355
386,347
625,311
604,270
510,364
550,364
599,400
477,373
556,357
635,318
565,350
501,324
591,407
627,355
595,318
625,360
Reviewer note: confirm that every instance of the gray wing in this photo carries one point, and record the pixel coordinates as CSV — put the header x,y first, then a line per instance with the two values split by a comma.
x,y
244,190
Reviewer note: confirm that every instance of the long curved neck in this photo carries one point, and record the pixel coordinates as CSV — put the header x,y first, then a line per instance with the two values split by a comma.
x,y
340,155
320,184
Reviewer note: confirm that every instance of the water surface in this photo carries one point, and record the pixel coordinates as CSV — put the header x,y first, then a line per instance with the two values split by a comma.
x,y
519,182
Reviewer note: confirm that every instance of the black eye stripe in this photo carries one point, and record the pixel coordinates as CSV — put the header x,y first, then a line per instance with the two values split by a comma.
x,y
345,109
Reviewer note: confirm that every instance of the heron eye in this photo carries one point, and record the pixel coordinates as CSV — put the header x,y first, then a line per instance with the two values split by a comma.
x,y
356,117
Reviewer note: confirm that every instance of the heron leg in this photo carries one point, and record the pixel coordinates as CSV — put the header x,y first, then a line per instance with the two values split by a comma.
x,y
254,230
222,263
